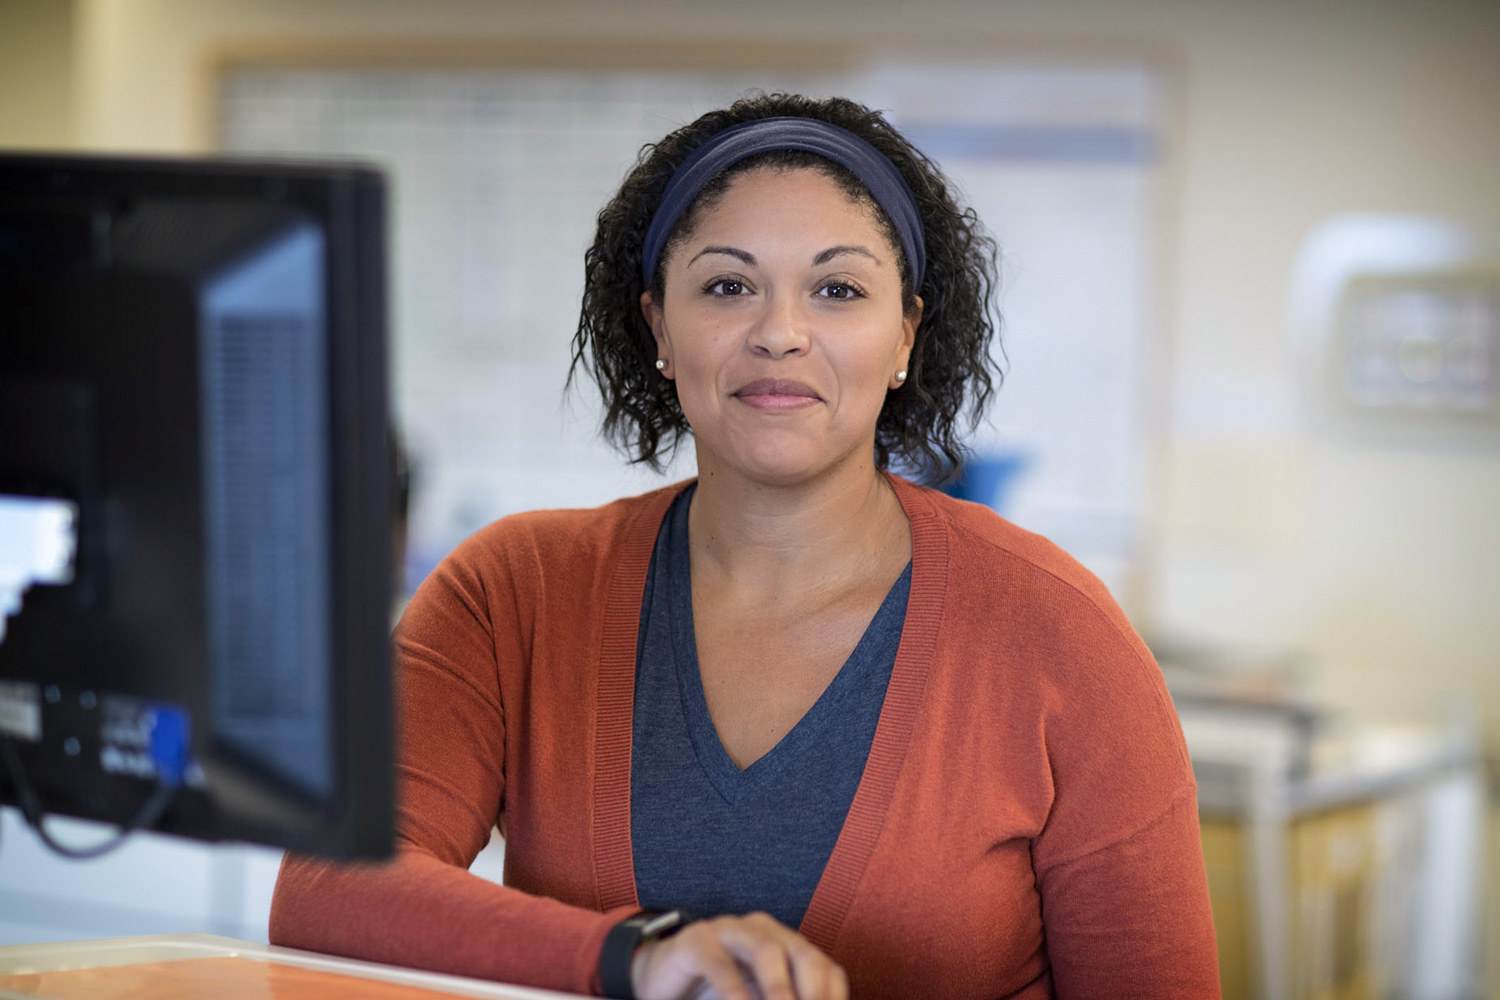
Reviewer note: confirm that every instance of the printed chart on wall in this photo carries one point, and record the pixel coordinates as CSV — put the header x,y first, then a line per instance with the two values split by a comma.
x,y
497,176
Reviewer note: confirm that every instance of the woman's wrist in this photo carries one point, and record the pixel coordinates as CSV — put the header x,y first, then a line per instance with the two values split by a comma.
x,y
623,946
639,964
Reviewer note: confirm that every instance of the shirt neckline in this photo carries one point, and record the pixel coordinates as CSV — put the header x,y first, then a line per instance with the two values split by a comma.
x,y
614,870
727,777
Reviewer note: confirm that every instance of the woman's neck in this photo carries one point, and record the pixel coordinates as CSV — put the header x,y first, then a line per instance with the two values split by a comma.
x,y
760,539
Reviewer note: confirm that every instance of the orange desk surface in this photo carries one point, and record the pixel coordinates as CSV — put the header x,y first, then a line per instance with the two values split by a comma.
x,y
181,966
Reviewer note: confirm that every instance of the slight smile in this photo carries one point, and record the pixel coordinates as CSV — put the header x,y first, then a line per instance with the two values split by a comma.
x,y
777,394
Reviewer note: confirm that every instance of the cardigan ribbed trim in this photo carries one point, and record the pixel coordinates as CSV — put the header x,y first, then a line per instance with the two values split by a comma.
x,y
903,697
614,860
614,866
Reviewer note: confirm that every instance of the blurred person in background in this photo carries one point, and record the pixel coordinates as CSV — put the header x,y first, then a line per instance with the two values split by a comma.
x,y
797,728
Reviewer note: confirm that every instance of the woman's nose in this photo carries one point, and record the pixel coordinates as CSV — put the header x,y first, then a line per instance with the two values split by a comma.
x,y
781,328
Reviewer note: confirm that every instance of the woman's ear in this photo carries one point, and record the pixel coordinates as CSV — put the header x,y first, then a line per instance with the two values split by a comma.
x,y
652,313
909,324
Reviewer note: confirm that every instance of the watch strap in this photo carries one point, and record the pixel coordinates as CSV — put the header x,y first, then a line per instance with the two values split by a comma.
x,y
623,939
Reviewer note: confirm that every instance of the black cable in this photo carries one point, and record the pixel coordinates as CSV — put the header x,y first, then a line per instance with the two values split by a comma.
x,y
31,808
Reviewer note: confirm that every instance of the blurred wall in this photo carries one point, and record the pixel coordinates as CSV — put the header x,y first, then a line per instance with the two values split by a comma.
x,y
1381,561
36,73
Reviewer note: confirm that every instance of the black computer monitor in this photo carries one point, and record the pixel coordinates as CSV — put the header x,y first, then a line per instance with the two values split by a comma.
x,y
193,430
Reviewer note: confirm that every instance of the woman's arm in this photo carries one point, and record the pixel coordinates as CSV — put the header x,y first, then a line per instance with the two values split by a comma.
x,y
422,912
1119,864
424,908
462,631
1132,919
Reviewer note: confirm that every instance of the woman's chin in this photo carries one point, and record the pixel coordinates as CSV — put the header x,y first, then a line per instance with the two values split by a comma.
x,y
781,466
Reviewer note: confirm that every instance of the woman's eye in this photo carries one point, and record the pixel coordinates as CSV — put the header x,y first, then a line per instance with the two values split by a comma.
x,y
839,290
727,287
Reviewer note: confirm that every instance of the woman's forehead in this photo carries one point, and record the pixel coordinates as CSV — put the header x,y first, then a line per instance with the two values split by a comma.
x,y
802,203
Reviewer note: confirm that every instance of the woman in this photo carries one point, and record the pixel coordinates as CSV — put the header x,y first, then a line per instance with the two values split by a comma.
x,y
883,742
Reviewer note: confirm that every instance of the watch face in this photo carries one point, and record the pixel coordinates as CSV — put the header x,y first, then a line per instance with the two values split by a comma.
x,y
658,925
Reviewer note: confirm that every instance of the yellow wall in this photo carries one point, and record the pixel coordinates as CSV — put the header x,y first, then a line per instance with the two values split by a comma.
x,y
36,74
1377,560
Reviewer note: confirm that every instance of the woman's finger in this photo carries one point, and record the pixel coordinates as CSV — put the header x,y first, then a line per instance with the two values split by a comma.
x,y
679,966
767,961
738,958
784,963
815,975
840,989
717,967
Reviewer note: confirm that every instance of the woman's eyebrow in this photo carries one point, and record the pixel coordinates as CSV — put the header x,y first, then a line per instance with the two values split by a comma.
x,y
747,257
833,252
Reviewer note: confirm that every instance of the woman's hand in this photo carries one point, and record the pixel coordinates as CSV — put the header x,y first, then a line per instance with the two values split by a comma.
x,y
736,958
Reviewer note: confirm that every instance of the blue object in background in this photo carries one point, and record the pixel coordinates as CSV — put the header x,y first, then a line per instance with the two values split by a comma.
x,y
988,479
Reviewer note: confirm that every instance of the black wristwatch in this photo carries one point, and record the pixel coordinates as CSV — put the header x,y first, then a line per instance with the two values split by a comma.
x,y
622,941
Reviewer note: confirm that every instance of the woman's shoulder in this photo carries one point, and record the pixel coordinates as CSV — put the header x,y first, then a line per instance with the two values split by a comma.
x,y
1004,584
568,539
1033,634
988,551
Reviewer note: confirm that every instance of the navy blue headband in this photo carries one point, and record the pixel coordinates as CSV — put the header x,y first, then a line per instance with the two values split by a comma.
x,y
810,135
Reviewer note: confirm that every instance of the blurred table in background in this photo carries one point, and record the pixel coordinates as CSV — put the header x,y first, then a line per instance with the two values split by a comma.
x,y
1345,855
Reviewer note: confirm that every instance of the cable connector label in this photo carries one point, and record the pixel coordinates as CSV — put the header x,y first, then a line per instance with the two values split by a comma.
x,y
20,710
38,541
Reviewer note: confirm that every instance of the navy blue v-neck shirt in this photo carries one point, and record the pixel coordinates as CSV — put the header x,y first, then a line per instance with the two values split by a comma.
x,y
708,837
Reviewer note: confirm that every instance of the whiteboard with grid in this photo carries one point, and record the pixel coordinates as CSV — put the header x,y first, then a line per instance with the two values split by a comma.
x,y
497,176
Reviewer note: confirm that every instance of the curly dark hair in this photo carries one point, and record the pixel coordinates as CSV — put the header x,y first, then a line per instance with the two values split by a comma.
x,y
950,365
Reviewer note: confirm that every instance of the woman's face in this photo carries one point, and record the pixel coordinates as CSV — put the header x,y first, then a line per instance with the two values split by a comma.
x,y
781,324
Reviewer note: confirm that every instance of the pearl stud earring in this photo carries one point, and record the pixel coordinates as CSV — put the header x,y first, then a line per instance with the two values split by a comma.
x,y
660,364
901,375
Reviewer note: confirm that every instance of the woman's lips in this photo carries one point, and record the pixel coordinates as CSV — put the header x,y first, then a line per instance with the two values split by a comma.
x,y
776,394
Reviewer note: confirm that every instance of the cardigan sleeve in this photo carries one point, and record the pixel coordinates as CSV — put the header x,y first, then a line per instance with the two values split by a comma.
x,y
424,908
1132,920
1119,863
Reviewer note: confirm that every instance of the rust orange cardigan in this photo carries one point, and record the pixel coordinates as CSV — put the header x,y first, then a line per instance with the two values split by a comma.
x,y
1026,825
